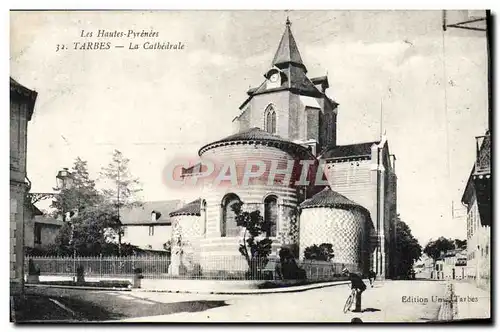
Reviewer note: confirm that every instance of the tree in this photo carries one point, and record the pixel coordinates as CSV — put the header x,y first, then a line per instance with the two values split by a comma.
x,y
87,233
167,246
122,187
80,195
255,250
407,248
323,252
434,249
460,244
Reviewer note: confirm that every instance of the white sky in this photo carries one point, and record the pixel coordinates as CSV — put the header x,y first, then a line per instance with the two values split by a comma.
x,y
156,105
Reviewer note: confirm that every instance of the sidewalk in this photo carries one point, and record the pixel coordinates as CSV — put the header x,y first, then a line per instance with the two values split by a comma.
x,y
289,289
383,303
477,303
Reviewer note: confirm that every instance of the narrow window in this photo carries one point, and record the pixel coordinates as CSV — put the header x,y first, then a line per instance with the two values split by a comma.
x,y
228,222
271,214
270,120
38,234
204,216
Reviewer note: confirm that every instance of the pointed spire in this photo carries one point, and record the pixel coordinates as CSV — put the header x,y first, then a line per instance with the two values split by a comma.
x,y
288,52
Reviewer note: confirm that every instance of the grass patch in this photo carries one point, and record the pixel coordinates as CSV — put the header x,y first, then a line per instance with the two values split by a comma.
x,y
96,284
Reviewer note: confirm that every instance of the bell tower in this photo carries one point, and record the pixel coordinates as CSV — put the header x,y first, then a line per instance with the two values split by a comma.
x,y
290,104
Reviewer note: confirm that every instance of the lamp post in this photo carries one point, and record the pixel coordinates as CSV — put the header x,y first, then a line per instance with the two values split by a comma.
x,y
64,179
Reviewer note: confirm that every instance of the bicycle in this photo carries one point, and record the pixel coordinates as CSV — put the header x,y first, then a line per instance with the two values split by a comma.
x,y
350,300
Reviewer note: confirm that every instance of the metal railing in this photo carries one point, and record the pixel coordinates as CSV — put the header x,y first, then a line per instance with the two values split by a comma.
x,y
161,267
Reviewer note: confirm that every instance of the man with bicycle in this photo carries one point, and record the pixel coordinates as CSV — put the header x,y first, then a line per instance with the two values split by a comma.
x,y
357,285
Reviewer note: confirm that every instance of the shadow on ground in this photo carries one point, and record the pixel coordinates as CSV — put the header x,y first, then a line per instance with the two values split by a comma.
x,y
36,308
167,309
39,309
370,310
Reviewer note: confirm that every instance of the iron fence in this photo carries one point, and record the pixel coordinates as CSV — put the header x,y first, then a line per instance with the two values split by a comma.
x,y
161,267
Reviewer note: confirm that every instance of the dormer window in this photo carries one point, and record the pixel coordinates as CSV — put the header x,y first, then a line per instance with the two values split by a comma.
x,y
274,78
270,119
155,216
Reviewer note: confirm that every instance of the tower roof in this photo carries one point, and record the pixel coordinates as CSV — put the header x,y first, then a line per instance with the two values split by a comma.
x,y
330,198
20,92
254,135
191,209
288,52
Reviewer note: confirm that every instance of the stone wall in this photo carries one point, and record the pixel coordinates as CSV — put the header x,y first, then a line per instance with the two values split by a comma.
x,y
356,178
18,190
344,229
254,113
140,235
187,231
478,245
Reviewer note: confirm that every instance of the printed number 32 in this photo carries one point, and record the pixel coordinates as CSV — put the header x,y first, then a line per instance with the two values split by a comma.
x,y
60,47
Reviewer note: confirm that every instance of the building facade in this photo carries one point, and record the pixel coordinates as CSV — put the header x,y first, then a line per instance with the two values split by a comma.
x,y
148,226
365,173
451,265
477,199
287,122
40,231
22,104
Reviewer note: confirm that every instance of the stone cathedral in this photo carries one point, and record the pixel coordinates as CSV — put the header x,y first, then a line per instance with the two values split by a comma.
x,y
289,117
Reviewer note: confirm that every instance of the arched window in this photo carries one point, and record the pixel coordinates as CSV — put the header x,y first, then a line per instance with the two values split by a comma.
x,y
228,222
204,216
270,119
271,214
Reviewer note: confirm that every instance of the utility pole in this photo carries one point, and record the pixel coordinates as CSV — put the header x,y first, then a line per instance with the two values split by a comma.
x,y
118,210
465,25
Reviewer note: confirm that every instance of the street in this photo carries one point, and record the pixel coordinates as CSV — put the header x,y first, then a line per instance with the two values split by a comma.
x,y
385,302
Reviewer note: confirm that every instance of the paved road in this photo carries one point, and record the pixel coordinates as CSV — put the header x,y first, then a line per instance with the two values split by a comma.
x,y
383,303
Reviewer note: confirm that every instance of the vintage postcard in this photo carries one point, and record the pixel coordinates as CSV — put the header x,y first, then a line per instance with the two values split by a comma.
x,y
250,166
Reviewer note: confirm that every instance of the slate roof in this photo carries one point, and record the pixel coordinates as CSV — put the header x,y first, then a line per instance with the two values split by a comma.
x,y
142,215
252,134
287,52
319,80
339,151
287,58
191,209
330,198
18,90
297,82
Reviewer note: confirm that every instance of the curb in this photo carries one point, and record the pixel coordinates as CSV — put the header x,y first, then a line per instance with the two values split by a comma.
x,y
291,289
78,287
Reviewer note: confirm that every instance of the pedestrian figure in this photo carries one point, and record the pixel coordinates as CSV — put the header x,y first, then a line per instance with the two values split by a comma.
x,y
371,276
358,285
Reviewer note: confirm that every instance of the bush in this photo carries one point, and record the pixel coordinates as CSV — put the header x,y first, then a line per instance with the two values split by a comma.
x,y
289,270
223,275
138,270
183,270
33,270
196,271
323,252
